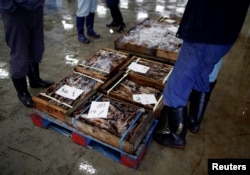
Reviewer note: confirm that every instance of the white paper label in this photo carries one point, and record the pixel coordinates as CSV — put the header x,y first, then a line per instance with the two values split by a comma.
x,y
69,92
138,67
98,110
145,98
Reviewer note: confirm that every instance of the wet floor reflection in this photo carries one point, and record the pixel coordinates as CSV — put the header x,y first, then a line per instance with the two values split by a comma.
x,y
141,15
4,72
86,168
159,8
101,11
71,60
66,25
124,4
139,1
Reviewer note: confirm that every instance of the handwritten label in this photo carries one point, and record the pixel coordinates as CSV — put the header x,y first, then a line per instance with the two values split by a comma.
x,y
98,109
138,67
145,98
69,92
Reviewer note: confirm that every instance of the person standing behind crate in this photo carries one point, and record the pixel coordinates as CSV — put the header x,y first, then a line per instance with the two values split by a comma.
x,y
23,27
86,10
117,19
209,29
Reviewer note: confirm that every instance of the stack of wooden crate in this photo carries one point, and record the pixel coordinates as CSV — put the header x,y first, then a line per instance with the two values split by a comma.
x,y
130,84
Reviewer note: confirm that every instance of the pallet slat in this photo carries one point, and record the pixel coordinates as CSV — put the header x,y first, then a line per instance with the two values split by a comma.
x,y
43,120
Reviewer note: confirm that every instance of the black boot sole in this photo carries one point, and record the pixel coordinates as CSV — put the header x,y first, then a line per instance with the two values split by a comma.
x,y
94,35
193,130
42,84
26,100
112,25
121,28
167,141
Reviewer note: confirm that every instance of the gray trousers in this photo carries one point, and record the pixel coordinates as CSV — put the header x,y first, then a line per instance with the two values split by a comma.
x,y
25,38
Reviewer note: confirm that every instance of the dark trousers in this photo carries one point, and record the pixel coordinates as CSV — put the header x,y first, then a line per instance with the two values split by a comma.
x,y
113,5
25,38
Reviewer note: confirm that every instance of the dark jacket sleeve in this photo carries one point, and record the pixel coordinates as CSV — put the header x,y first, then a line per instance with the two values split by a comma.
x,y
7,6
213,21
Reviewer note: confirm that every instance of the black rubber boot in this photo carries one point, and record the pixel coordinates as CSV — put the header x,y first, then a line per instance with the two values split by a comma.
x,y
121,28
115,22
198,104
80,30
23,94
119,19
90,26
112,24
172,134
34,77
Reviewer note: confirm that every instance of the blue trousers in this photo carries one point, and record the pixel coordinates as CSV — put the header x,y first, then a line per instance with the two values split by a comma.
x,y
191,71
213,75
84,7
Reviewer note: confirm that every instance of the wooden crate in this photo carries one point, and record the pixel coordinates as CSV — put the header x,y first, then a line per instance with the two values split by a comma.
x,y
124,127
129,42
124,86
166,53
157,73
152,38
171,56
104,64
133,47
56,105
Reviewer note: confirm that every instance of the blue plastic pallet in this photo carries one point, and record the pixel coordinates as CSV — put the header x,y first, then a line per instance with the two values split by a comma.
x,y
44,120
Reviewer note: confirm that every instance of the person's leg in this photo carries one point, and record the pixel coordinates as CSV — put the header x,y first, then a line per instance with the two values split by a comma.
x,y
17,36
81,13
90,20
36,51
83,8
182,79
117,19
213,75
111,5
172,123
114,22
120,19
199,97
199,101
191,71
80,30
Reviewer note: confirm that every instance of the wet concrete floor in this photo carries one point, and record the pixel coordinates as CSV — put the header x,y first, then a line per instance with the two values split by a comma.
x,y
26,149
